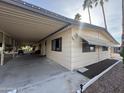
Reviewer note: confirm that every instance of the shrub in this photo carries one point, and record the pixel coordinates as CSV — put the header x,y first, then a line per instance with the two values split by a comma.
x,y
122,54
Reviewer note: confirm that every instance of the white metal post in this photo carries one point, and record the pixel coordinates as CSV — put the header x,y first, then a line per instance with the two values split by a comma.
x,y
3,48
14,48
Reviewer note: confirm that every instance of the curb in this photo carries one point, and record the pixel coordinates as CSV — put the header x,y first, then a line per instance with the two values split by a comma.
x,y
91,81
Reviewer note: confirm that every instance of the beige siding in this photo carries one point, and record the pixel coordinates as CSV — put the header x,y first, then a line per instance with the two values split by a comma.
x,y
8,40
81,59
104,54
64,57
72,56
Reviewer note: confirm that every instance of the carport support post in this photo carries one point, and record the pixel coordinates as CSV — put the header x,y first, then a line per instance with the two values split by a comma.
x,y
14,48
3,47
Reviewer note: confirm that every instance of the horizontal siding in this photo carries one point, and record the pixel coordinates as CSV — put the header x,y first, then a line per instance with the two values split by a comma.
x,y
8,40
81,59
64,57
104,54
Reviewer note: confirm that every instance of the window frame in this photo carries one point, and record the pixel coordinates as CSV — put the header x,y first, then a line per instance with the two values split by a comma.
x,y
86,47
104,48
55,46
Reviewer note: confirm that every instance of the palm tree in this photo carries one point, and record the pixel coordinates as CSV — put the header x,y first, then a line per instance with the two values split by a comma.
x,y
88,4
122,45
101,2
77,17
123,23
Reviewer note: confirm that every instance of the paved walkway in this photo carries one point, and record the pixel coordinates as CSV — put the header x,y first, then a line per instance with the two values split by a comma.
x,y
31,74
67,82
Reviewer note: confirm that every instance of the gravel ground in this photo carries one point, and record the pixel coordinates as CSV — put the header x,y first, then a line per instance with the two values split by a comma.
x,y
111,82
97,68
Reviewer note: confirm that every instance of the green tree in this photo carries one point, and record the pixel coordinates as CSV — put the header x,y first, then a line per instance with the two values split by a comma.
x,y
122,54
122,51
122,23
88,4
77,17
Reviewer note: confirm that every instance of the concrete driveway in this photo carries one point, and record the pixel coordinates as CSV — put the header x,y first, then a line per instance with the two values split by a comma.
x,y
27,69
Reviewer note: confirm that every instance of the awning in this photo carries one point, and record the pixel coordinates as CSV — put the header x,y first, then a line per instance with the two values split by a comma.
x,y
95,41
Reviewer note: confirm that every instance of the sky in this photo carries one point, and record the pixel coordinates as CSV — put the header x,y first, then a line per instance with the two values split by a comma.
x,y
69,8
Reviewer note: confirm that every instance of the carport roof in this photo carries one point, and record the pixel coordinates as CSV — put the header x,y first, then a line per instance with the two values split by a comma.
x,y
25,21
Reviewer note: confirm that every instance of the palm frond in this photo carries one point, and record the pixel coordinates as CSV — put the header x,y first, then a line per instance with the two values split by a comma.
x,y
91,6
96,4
101,2
87,4
106,0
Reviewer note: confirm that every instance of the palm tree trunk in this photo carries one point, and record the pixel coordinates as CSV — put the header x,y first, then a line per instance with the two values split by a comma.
x,y
122,23
104,16
89,15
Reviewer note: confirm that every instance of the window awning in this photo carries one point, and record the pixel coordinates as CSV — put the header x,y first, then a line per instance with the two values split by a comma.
x,y
95,41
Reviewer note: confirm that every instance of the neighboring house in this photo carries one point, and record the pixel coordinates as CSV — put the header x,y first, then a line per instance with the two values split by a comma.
x,y
66,41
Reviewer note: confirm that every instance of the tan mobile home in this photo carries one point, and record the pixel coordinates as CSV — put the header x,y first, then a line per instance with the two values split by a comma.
x,y
66,41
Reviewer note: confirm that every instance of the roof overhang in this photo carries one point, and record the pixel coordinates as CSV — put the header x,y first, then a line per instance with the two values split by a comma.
x,y
86,26
25,21
28,22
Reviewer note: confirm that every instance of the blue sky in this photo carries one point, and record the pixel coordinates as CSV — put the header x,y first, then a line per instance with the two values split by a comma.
x,y
69,8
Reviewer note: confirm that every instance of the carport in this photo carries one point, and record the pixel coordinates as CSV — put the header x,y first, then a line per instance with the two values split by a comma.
x,y
22,22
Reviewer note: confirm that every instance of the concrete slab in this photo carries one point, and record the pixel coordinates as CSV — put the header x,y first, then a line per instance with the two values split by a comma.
x,y
82,69
67,82
27,69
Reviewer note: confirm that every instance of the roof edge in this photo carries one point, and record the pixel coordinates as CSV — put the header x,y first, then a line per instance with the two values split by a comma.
x,y
92,26
36,9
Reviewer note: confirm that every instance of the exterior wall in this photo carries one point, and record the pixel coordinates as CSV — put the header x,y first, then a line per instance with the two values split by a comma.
x,y
63,57
72,56
8,40
81,59
4,55
104,54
